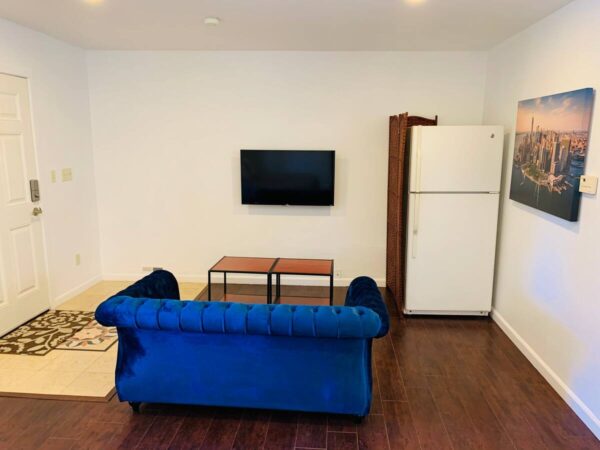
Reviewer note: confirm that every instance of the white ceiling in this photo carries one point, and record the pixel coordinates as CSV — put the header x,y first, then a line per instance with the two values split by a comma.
x,y
280,24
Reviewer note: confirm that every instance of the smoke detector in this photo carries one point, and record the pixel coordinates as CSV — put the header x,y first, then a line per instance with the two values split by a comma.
x,y
212,21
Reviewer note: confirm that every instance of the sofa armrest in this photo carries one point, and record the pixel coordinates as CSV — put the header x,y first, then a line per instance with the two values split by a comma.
x,y
159,284
237,318
363,291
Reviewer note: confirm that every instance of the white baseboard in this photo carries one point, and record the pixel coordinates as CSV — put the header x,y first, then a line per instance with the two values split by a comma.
x,y
294,280
136,276
75,291
574,402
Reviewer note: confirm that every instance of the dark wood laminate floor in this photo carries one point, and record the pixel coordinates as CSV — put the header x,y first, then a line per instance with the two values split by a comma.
x,y
439,384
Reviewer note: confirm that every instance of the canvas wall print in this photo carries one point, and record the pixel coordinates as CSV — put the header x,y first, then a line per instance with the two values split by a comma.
x,y
551,142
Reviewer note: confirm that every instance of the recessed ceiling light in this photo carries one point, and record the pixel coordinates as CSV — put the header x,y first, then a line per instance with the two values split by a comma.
x,y
93,2
212,21
414,2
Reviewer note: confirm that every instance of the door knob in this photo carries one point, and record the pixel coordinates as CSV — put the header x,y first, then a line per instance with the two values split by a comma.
x,y
37,211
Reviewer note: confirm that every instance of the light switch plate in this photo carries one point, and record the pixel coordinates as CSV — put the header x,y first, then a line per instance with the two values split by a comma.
x,y
588,184
67,174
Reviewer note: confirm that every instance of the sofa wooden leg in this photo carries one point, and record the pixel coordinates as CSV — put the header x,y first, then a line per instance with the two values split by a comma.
x,y
358,419
135,406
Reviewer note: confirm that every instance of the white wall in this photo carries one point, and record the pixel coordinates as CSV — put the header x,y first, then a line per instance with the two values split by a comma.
x,y
60,107
168,128
548,279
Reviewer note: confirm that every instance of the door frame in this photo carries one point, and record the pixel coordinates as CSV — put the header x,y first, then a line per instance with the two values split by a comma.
x,y
16,70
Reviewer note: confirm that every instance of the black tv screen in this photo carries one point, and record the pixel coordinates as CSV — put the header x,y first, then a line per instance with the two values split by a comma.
x,y
287,177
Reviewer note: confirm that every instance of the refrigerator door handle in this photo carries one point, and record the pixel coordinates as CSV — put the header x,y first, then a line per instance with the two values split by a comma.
x,y
417,131
415,228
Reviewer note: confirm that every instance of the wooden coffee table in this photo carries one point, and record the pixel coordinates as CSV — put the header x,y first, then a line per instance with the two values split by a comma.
x,y
270,267
296,266
240,264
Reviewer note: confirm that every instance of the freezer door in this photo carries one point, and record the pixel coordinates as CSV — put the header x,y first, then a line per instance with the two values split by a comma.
x,y
450,253
456,159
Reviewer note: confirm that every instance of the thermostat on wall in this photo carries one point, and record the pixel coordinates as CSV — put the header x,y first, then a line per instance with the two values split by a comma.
x,y
588,184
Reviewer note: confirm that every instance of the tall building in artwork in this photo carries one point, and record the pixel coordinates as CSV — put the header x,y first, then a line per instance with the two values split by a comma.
x,y
555,165
565,149
546,160
531,133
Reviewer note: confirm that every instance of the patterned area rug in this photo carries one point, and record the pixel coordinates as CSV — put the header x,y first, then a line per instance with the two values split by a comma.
x,y
44,333
93,337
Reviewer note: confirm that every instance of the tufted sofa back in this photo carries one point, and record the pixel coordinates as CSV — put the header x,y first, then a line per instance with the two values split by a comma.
x,y
152,304
237,318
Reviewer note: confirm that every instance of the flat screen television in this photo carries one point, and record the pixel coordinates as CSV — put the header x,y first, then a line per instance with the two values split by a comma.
x,y
288,177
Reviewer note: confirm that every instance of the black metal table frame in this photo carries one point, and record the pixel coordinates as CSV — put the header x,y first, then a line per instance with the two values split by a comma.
x,y
269,275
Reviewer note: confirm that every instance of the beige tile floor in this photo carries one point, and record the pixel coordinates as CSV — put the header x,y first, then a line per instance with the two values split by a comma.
x,y
64,373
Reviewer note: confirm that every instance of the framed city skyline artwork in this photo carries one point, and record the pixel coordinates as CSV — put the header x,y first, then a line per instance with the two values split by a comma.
x,y
551,142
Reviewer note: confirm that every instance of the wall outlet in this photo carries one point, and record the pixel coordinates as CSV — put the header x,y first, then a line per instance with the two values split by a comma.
x,y
53,176
67,174
77,259
588,184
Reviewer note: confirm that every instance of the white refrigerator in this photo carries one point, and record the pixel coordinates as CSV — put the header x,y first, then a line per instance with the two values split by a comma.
x,y
454,190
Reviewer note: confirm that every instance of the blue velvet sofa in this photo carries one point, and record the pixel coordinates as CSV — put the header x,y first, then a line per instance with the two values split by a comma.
x,y
305,358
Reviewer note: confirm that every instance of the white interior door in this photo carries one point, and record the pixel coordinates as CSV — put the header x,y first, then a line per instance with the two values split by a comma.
x,y
23,279
450,253
456,159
